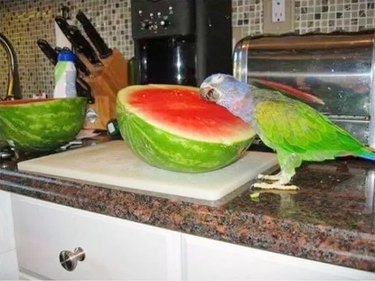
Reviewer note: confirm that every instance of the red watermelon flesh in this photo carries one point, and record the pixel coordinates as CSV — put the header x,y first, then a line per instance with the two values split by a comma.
x,y
183,111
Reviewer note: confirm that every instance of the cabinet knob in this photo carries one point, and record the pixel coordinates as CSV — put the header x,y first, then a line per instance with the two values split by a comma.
x,y
69,259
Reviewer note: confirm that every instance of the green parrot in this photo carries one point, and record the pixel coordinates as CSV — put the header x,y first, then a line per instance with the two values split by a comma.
x,y
293,129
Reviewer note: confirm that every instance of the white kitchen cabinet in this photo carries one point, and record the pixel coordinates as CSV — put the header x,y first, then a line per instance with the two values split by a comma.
x,y
7,242
9,266
8,257
114,248
207,259
124,250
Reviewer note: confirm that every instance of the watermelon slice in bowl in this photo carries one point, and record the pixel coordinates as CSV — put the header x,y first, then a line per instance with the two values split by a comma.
x,y
173,128
41,125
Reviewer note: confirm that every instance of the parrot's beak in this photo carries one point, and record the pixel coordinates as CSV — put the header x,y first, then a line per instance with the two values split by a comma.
x,y
207,92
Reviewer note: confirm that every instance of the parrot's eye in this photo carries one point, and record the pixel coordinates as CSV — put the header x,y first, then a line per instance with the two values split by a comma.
x,y
218,78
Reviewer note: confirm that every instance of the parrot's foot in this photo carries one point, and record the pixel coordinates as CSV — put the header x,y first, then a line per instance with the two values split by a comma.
x,y
280,182
276,177
275,185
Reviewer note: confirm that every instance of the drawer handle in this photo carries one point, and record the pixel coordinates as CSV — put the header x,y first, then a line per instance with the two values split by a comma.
x,y
69,259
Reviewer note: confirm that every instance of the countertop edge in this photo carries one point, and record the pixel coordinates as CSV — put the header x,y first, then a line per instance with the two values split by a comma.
x,y
249,229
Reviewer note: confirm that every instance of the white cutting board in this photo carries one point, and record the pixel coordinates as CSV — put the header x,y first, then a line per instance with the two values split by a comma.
x,y
114,164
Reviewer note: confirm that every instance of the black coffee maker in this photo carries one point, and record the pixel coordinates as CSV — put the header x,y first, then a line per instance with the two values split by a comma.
x,y
181,41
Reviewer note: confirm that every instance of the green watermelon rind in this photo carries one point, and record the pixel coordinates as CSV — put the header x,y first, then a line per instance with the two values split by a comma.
x,y
162,149
42,125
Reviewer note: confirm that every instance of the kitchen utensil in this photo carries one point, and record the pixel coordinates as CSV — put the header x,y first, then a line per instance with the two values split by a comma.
x,y
93,65
83,88
105,78
116,67
94,36
114,62
82,67
79,43
105,84
5,152
63,24
104,108
101,97
49,52
115,165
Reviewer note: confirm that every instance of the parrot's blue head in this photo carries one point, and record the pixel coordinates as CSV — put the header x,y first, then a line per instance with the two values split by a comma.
x,y
228,92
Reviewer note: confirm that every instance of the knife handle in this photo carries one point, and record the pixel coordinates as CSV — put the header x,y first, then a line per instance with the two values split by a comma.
x,y
63,24
82,45
85,90
94,36
46,48
75,37
82,67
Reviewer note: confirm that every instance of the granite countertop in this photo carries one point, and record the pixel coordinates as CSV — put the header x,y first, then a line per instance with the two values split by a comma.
x,y
330,219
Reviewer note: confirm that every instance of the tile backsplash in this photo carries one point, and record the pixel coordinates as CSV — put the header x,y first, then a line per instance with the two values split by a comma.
x,y
24,21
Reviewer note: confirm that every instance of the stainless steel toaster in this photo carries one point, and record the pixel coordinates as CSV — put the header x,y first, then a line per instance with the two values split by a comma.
x,y
337,68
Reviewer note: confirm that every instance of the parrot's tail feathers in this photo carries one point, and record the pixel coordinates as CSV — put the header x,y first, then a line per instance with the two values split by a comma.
x,y
369,155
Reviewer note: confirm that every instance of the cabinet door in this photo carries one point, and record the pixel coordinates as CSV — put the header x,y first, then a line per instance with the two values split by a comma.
x,y
206,259
8,266
8,257
6,223
114,248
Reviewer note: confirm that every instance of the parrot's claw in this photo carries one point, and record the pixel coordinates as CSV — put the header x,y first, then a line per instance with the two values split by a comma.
x,y
275,185
280,182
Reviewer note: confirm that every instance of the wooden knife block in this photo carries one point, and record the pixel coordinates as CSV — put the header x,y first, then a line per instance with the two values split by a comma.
x,y
105,83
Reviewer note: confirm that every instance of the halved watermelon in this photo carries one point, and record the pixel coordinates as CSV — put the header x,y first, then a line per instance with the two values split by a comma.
x,y
34,125
173,128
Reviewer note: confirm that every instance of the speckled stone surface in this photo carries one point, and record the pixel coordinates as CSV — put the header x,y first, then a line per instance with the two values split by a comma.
x,y
331,219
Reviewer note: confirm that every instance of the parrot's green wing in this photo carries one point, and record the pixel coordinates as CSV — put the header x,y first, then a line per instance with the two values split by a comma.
x,y
292,127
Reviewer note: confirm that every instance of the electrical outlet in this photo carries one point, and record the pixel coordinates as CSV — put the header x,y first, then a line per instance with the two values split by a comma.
x,y
278,16
278,10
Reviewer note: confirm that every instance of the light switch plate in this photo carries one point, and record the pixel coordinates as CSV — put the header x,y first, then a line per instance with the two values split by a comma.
x,y
272,10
